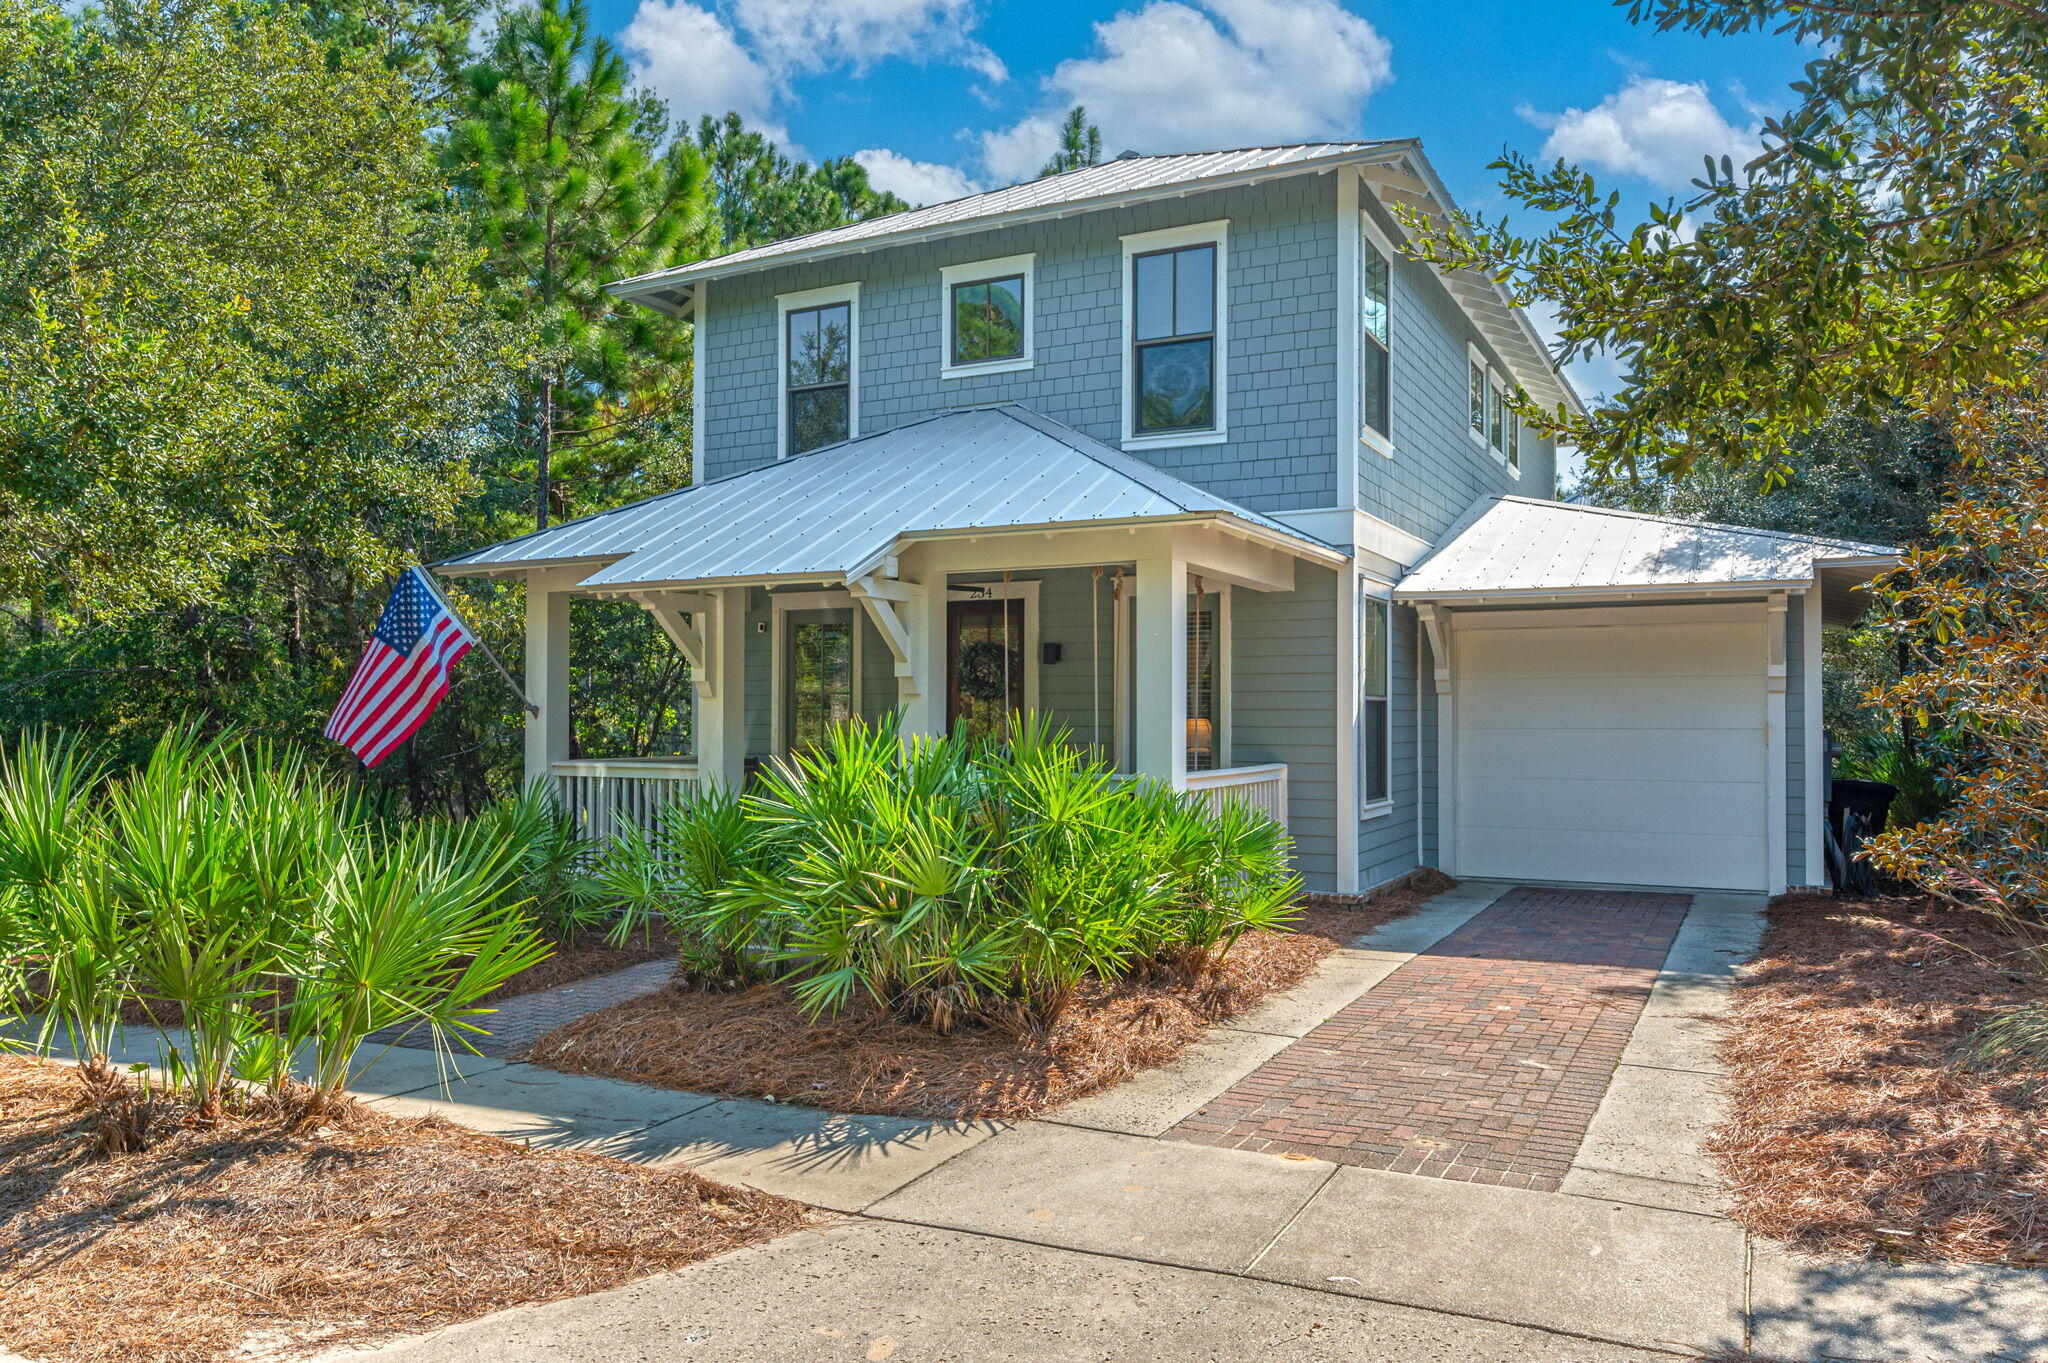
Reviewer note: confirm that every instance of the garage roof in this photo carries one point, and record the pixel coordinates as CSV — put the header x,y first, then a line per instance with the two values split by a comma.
x,y
1510,549
832,514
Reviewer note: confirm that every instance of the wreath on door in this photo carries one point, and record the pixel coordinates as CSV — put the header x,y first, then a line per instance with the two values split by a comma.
x,y
985,670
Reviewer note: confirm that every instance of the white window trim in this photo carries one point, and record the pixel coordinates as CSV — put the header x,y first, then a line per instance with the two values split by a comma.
x,y
969,273
1215,233
1367,436
1369,588
785,304
1496,383
1476,359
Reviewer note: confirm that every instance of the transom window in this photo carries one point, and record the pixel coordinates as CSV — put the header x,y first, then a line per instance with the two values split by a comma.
x,y
1372,349
818,350
1173,361
988,320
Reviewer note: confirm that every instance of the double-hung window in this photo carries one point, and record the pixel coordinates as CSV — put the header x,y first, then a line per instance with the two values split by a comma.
x,y
1373,287
1493,420
1175,341
1375,651
818,362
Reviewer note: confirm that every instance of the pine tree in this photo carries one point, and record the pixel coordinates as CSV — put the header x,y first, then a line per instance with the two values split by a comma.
x,y
558,157
1080,144
762,195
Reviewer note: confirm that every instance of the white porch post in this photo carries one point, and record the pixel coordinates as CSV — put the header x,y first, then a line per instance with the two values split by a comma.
x,y
1161,671
720,719
925,711
547,676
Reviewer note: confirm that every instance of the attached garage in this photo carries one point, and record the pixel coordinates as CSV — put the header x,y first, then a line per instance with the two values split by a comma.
x,y
1627,700
1623,746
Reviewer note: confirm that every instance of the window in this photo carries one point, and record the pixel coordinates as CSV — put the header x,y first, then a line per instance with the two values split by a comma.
x,y
1205,722
819,357
1478,383
1372,340
1514,442
986,321
1174,321
1375,639
1495,410
1175,358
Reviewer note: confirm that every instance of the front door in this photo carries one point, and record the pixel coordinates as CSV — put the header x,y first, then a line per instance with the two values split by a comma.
x,y
985,665
817,676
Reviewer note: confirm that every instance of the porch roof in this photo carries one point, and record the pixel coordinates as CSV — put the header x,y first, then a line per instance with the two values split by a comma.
x,y
1519,550
835,513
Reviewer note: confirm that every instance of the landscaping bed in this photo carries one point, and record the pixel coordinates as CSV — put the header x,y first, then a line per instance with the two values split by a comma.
x,y
1852,1131
755,1042
258,1233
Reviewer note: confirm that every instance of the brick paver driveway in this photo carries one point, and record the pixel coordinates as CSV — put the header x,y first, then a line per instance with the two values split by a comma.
x,y
1482,1059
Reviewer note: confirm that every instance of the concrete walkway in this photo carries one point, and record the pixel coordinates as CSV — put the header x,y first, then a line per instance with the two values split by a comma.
x,y
1093,1234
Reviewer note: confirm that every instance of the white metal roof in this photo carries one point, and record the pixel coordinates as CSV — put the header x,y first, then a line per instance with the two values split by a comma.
x,y
1122,178
835,512
1395,169
1507,548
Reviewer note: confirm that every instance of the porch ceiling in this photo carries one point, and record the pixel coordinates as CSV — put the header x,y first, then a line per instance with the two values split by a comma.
x,y
837,512
1518,550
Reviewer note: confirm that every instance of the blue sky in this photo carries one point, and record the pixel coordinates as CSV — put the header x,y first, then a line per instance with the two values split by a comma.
x,y
941,97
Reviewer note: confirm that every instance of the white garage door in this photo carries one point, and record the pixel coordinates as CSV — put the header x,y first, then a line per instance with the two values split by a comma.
x,y
1628,753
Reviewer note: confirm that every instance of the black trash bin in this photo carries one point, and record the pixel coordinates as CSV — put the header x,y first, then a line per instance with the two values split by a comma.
x,y
1871,799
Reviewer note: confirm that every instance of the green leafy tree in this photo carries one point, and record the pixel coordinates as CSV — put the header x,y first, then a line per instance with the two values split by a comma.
x,y
231,320
1080,144
762,195
428,41
558,156
1888,244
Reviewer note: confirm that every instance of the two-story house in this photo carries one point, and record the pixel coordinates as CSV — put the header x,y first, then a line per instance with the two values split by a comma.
x,y
1182,451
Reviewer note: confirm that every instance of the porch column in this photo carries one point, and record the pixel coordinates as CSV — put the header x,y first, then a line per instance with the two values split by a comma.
x,y
547,677
720,719
925,711
1160,669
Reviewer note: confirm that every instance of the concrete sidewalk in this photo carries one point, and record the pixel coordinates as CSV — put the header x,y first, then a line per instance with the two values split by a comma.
x,y
1088,1234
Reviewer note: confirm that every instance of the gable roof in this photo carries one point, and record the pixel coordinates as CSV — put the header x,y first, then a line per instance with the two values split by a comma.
x,y
1506,548
1395,169
834,513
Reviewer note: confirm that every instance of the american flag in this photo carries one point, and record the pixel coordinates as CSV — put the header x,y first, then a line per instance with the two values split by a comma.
x,y
404,671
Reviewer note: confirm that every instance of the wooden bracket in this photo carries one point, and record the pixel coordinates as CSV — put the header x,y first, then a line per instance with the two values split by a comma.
x,y
1437,627
880,597
682,618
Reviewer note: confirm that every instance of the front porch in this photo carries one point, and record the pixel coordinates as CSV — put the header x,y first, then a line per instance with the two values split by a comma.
x,y
964,636
955,572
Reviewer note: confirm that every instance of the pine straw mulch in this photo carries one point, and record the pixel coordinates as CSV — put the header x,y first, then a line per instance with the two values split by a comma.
x,y
1851,1132
755,1043
262,1235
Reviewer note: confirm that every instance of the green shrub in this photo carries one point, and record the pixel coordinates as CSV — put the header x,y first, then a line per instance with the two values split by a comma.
x,y
225,877
953,879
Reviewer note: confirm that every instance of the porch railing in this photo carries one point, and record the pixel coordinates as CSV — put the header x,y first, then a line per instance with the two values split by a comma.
x,y
1262,787
603,795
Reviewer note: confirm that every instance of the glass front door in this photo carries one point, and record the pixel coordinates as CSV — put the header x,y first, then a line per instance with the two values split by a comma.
x,y
985,665
817,676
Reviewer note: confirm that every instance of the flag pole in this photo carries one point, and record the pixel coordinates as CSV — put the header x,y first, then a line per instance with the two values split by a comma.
x,y
517,689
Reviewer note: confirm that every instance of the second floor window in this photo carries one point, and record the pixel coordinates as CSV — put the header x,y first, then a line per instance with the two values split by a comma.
x,y
1372,339
819,345
1173,360
988,320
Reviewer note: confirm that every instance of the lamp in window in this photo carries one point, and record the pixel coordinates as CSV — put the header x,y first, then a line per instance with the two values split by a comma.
x,y
1201,745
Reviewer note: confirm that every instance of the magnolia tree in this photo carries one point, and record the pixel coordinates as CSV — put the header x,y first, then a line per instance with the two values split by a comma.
x,y
1971,606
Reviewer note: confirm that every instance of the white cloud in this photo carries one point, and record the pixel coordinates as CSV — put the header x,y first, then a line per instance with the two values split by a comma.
x,y
1176,75
1655,129
815,35
692,59
919,182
